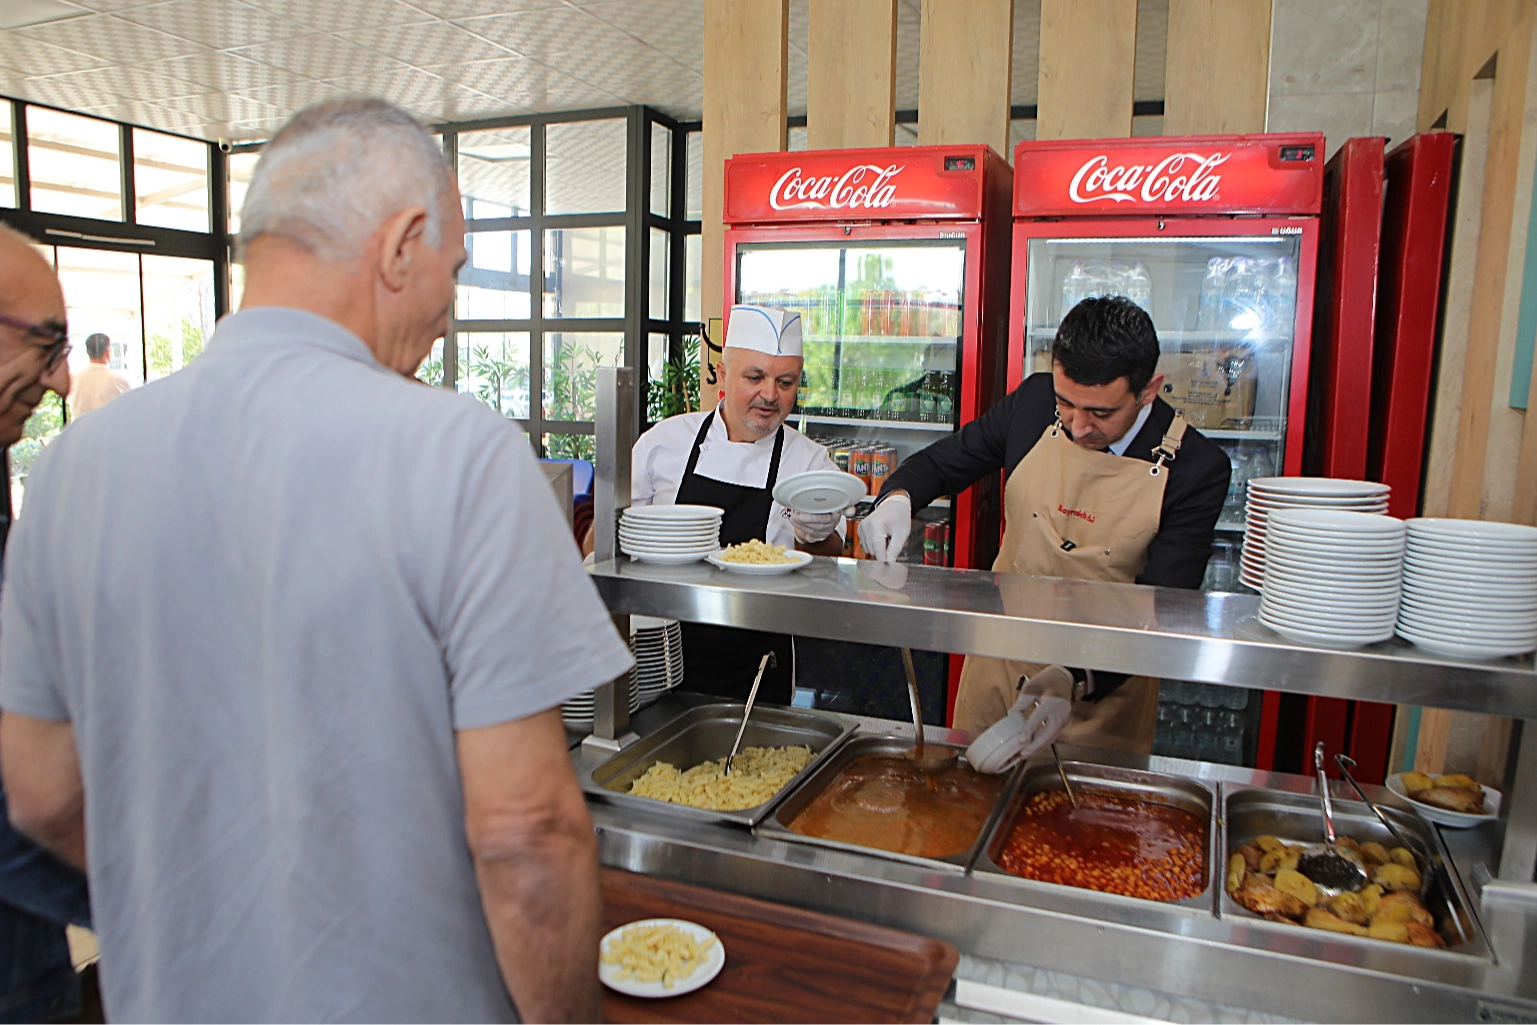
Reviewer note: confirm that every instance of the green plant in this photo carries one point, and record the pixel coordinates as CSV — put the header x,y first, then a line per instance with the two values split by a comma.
x,y
157,349
571,383
677,390
569,446
431,372
496,374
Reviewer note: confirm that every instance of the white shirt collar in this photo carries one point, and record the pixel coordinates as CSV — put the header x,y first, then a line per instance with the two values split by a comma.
x,y
1120,447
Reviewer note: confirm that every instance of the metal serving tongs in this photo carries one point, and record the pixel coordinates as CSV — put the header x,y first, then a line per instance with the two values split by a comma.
x,y
930,762
1346,763
768,660
1332,868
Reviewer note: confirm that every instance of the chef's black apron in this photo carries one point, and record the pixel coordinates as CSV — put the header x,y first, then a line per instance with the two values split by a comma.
x,y
723,660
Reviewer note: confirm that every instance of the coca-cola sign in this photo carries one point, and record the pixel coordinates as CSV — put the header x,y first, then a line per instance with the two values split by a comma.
x,y
907,183
861,187
1276,174
1177,178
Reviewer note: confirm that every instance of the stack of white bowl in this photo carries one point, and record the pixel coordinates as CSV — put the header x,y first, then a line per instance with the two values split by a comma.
x,y
577,713
658,648
669,535
1332,577
1470,588
1267,495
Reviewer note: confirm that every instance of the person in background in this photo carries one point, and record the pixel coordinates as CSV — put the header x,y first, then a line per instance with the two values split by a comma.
x,y
39,894
96,384
731,457
1105,482
300,718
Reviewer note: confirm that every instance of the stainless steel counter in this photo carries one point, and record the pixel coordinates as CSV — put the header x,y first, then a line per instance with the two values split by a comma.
x,y
1155,631
1303,974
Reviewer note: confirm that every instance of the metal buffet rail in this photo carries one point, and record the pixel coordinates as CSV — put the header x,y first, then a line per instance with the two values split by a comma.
x,y
1152,631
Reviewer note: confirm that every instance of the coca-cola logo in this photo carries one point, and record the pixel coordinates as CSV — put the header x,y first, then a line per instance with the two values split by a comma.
x,y
861,187
1177,178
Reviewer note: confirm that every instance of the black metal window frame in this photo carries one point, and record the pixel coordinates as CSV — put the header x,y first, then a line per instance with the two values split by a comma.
x,y
125,235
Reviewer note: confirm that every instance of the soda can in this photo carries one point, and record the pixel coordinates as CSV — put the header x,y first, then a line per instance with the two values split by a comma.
x,y
841,454
934,544
859,463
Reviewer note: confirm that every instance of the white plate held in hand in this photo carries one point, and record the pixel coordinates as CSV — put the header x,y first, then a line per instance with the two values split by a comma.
x,y
819,491
714,961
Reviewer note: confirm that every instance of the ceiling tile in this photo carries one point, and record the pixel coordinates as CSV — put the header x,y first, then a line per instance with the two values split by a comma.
x,y
547,33
528,84
672,27
123,82
1152,46
795,85
426,43
468,105
110,38
291,98
907,61
1024,74
453,10
222,72
346,15
319,57
635,75
225,107
218,24
29,57
110,6
800,25
411,88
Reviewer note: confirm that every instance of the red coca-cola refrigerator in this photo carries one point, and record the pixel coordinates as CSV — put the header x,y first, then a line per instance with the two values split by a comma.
x,y
1217,238
898,262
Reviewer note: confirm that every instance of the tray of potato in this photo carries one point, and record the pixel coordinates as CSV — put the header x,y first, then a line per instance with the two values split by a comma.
x,y
1455,799
1410,899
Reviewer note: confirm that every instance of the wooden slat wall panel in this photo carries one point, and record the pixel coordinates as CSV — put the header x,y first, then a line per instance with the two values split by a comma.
x,y
1217,72
746,49
965,51
851,85
1088,55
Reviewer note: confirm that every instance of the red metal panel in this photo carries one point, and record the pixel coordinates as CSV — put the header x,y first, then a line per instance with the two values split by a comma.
x,y
1344,322
1419,193
1187,177
901,183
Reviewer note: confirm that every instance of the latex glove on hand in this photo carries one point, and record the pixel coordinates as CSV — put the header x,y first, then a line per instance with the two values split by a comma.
x,y
811,527
883,533
1038,717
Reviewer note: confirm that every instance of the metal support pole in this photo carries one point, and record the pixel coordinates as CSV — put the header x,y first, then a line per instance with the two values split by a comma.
x,y
1518,857
615,427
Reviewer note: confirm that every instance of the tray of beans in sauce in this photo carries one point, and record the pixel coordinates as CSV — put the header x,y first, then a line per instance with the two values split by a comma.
x,y
1133,834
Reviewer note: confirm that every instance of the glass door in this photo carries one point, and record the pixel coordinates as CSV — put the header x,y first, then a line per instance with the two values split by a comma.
x,y
882,328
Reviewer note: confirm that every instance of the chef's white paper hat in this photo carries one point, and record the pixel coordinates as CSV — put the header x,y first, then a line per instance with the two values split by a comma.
x,y
764,329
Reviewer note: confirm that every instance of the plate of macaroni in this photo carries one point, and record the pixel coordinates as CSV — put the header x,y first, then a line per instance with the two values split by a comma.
x,y
659,957
758,559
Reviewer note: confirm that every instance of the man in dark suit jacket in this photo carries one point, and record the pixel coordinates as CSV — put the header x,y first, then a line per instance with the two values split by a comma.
x,y
1102,397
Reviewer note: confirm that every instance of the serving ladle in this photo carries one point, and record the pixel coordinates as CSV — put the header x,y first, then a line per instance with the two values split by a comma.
x,y
930,761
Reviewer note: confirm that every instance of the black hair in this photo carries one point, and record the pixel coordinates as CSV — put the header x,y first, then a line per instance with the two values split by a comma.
x,y
1103,340
98,345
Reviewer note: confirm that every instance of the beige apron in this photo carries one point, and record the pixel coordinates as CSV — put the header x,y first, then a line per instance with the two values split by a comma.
x,y
1083,515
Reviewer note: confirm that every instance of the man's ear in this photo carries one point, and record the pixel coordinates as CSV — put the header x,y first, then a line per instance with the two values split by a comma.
x,y
1151,392
400,237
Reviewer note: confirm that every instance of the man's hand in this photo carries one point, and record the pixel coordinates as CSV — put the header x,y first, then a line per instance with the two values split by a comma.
x,y
884,532
42,784
537,864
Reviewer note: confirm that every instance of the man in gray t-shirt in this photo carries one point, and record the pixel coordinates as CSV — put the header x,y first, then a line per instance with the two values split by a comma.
x,y
307,624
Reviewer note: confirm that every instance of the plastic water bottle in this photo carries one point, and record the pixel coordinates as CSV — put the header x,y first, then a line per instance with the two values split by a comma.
x,y
1211,293
1139,286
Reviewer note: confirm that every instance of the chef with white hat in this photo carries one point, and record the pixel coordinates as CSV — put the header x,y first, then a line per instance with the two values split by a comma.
x,y
731,456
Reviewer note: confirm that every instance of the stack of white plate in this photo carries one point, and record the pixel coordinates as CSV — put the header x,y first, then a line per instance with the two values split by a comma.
x,y
577,713
1470,588
1332,577
658,648
1270,494
669,534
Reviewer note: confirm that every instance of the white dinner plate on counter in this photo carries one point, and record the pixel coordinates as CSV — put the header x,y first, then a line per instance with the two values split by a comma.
x,y
760,569
709,968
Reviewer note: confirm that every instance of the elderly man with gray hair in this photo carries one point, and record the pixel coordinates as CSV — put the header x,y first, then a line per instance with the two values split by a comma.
x,y
313,682
96,384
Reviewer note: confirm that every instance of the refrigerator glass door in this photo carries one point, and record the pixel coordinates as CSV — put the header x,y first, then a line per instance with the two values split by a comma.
x,y
1225,309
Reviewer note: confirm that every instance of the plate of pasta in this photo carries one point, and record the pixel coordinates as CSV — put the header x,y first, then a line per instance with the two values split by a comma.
x,y
659,957
758,559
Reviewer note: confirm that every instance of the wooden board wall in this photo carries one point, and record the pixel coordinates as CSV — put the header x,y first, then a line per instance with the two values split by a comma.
x,y
1217,72
1088,55
851,90
746,50
965,51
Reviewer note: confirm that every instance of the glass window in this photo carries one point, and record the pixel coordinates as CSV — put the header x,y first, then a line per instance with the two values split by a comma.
x,y
241,166
7,156
569,446
661,170
178,312
236,285
431,370
75,164
494,169
659,274
494,367
102,290
584,272
493,283
584,164
571,362
170,181
693,278
694,188
45,422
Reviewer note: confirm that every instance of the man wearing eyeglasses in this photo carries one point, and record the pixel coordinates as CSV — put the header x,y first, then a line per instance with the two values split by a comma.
x,y
39,894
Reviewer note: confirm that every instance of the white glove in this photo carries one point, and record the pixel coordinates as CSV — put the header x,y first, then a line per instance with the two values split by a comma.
x,y
1040,714
883,533
811,527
